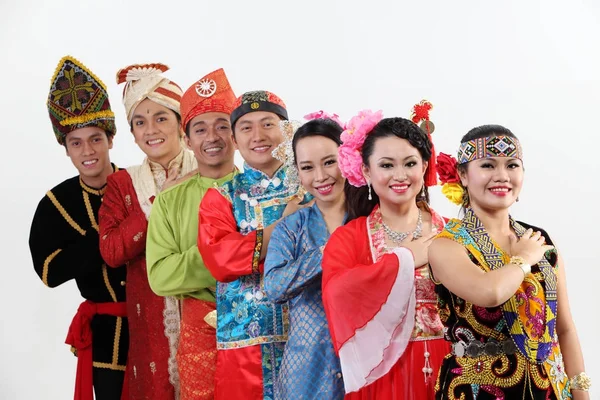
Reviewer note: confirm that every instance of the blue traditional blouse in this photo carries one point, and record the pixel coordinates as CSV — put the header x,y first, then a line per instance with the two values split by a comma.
x,y
310,368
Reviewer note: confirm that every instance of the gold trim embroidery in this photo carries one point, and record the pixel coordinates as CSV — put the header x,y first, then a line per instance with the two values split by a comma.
x,y
115,367
81,119
541,382
251,342
90,211
489,370
107,283
469,315
257,249
138,236
97,192
47,266
64,213
117,339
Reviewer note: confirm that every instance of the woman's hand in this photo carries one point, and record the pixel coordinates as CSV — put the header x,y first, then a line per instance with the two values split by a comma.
x,y
294,205
419,247
531,246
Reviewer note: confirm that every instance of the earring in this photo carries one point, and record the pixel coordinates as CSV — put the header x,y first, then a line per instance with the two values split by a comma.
x,y
517,199
465,198
370,196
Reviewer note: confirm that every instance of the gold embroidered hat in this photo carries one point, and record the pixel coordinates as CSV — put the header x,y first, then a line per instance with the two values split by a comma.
x,y
78,99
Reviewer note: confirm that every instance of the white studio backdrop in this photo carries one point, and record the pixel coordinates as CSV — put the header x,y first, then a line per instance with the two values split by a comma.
x,y
531,66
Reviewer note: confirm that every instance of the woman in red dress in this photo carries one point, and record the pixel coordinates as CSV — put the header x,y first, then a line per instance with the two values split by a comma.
x,y
378,296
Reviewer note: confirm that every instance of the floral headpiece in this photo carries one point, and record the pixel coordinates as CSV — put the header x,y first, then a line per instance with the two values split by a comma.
x,y
324,115
354,135
420,113
447,168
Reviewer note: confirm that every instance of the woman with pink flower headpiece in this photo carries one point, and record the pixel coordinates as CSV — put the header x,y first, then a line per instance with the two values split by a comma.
x,y
378,296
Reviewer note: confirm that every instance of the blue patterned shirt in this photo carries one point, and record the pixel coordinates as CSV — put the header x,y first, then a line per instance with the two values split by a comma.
x,y
246,317
310,368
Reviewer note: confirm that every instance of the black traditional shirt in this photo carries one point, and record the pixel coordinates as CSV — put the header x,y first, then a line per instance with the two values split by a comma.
x,y
64,245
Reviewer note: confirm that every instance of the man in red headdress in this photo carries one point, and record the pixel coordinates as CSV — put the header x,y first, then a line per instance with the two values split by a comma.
x,y
175,267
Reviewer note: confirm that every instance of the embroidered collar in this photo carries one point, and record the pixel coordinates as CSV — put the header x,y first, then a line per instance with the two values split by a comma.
x,y
259,176
156,167
91,190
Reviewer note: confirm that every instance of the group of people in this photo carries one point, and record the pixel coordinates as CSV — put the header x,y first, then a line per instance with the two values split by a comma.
x,y
320,271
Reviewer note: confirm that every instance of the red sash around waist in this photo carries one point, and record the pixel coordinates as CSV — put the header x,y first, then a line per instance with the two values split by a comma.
x,y
80,337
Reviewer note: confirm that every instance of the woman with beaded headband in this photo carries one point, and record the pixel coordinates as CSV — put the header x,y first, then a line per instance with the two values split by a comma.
x,y
310,369
501,284
379,300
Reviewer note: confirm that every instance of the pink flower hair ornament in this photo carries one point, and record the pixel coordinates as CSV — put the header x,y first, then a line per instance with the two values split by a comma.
x,y
354,135
322,114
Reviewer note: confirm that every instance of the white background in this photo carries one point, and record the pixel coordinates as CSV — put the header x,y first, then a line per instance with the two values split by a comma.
x,y
532,66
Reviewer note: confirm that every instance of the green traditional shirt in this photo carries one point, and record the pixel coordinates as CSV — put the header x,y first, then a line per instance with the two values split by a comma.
x,y
175,267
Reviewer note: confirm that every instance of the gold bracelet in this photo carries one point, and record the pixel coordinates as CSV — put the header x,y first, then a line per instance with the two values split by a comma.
x,y
581,382
521,263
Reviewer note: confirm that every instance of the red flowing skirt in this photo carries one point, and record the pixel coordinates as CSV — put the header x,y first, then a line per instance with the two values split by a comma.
x,y
406,380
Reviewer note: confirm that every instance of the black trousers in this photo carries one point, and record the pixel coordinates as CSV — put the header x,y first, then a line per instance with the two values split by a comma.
x,y
108,383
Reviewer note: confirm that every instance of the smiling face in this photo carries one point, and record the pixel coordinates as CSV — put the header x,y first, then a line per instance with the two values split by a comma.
x,y
316,159
256,135
88,150
395,171
209,137
156,131
493,183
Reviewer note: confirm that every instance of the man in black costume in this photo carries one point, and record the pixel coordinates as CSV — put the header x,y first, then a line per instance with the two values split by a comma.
x,y
64,239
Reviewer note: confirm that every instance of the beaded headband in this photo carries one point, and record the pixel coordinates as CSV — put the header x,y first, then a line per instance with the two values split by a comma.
x,y
494,146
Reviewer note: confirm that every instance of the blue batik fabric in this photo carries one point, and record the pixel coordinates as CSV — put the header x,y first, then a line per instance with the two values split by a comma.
x,y
310,369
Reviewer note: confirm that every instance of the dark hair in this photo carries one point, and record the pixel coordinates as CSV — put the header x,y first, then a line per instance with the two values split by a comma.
x,y
177,115
486,131
478,133
109,136
236,121
324,127
318,127
357,199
